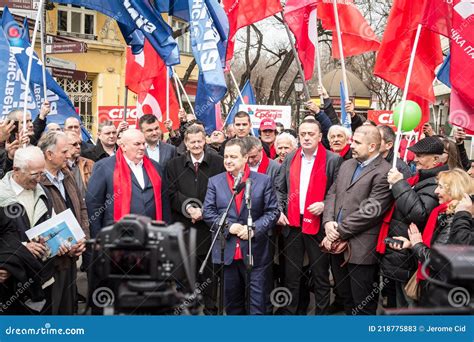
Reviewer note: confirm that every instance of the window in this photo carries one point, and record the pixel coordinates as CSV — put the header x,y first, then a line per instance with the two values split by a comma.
x,y
76,21
80,93
184,40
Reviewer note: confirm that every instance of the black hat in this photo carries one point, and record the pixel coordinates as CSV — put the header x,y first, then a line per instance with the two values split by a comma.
x,y
428,145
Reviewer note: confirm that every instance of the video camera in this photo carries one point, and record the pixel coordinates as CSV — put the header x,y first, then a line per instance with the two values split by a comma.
x,y
147,264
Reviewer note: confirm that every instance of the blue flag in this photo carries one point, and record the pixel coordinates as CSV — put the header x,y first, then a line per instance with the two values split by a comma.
x,y
249,98
25,34
209,34
444,72
136,18
345,119
15,50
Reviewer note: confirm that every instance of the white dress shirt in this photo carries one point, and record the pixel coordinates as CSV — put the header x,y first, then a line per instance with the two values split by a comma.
x,y
197,160
137,170
305,175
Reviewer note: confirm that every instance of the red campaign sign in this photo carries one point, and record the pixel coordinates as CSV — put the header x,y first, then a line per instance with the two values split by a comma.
x,y
382,117
115,114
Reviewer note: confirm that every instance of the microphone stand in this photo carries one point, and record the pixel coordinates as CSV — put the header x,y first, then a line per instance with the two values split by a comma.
x,y
220,234
248,202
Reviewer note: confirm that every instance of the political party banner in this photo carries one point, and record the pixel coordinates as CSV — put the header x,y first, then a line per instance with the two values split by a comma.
x,y
116,115
382,117
257,113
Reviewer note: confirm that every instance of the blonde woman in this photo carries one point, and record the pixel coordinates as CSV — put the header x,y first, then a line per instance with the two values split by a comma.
x,y
453,185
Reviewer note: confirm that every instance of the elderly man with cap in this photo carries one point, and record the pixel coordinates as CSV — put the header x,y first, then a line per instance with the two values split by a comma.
x,y
268,133
415,198
339,141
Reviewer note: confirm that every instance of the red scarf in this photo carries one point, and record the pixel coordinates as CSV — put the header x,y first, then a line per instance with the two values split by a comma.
x,y
262,168
273,152
123,186
315,193
238,204
429,230
344,151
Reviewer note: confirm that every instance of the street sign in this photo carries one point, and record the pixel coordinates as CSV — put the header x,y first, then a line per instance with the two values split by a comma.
x,y
69,74
60,63
20,4
75,47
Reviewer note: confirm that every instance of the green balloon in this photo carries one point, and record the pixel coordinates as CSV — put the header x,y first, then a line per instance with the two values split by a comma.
x,y
411,116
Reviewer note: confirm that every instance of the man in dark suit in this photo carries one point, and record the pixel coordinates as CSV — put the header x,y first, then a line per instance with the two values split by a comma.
x,y
354,209
107,141
264,212
188,176
156,149
258,160
126,183
304,179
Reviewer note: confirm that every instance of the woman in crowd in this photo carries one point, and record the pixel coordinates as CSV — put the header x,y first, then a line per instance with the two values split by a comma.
x,y
453,185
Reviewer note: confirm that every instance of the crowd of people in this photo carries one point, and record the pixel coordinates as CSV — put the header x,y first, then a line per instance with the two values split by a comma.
x,y
335,225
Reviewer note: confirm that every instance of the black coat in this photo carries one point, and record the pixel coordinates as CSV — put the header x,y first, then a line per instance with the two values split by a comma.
x,y
185,185
95,153
462,232
27,272
411,205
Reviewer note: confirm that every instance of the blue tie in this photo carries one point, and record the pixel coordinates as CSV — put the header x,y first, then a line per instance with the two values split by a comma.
x,y
356,175
357,172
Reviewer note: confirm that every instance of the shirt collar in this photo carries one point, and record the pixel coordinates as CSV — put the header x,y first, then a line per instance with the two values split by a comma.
x,y
197,160
17,188
314,154
368,161
132,164
59,178
153,148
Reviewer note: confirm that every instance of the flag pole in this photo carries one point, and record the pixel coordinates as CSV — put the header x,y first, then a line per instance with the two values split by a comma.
x,y
43,52
168,75
178,91
28,70
405,95
185,94
298,64
318,61
125,104
237,86
412,136
341,51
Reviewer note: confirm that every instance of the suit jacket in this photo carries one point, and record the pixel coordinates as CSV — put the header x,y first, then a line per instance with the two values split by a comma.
x,y
100,195
265,214
272,170
333,161
363,204
167,152
187,187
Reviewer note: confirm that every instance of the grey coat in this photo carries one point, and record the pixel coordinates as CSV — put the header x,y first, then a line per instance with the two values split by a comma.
x,y
363,204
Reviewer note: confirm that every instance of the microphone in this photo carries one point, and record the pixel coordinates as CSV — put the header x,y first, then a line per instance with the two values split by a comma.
x,y
248,184
238,180
240,187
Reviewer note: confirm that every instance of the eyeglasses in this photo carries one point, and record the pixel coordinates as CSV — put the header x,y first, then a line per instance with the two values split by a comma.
x,y
41,174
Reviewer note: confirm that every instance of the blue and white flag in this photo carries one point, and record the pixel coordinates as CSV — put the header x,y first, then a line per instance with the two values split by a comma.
x,y
137,15
249,98
345,119
209,33
14,50
444,72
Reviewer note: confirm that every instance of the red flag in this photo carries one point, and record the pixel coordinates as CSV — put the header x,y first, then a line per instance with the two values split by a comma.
x,y
461,114
455,19
394,54
357,35
146,76
300,16
246,12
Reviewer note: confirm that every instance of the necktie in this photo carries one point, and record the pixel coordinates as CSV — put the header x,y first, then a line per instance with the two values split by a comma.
x,y
357,172
196,167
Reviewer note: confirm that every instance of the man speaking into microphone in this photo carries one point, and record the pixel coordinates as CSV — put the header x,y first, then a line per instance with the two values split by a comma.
x,y
264,214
